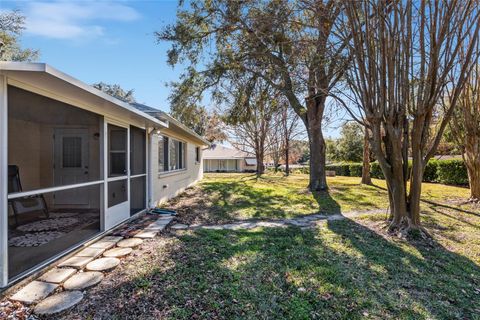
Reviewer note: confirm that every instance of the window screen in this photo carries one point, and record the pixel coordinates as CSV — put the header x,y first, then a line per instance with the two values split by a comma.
x,y
72,152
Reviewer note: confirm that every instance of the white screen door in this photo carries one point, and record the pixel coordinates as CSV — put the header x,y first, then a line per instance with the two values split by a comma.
x,y
71,164
118,200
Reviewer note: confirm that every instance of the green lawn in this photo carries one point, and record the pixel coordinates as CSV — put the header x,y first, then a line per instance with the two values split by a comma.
x,y
344,269
225,197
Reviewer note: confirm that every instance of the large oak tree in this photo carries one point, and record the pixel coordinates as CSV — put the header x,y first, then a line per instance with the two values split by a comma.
x,y
292,45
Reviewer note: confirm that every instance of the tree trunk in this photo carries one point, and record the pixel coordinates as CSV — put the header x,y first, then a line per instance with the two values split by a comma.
x,y
474,181
472,161
259,157
287,154
413,207
366,179
387,146
318,180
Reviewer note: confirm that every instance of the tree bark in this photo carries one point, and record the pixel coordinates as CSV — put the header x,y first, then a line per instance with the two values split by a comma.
x,y
259,156
366,179
474,180
472,161
287,151
318,180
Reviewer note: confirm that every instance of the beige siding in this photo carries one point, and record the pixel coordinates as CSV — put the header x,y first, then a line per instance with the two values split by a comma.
x,y
244,167
168,184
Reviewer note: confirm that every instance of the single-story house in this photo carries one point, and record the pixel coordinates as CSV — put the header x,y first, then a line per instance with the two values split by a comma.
x,y
218,158
76,162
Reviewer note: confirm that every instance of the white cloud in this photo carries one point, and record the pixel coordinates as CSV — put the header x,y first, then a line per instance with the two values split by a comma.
x,y
74,20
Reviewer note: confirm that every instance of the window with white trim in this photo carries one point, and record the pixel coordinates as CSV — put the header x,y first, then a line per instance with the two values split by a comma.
x,y
171,154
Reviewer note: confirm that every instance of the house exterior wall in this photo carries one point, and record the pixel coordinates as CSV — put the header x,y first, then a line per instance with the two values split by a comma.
x,y
212,165
167,185
221,165
246,168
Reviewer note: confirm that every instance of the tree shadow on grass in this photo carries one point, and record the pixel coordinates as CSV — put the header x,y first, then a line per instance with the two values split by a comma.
x,y
225,200
343,270
438,204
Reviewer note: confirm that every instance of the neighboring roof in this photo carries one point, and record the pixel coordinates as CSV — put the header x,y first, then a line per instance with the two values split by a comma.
x,y
222,152
24,68
159,114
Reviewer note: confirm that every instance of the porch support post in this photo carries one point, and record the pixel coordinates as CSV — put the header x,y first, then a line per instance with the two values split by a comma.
x,y
3,182
150,172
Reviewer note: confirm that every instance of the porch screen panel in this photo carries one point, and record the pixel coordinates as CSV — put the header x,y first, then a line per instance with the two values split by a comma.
x,y
54,178
138,194
138,170
137,151
117,192
117,151
51,143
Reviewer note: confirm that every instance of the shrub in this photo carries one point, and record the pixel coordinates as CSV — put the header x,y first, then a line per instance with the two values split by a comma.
x,y
452,172
430,174
376,171
355,169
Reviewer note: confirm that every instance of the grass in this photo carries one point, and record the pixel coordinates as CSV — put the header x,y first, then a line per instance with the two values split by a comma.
x,y
345,269
225,197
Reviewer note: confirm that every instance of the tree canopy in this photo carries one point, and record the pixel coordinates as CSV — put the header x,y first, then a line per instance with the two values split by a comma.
x,y
12,24
116,91
291,45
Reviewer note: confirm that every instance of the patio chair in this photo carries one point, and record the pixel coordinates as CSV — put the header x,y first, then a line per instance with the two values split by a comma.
x,y
24,204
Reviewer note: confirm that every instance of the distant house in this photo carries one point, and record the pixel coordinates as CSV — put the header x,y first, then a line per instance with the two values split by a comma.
x,y
219,158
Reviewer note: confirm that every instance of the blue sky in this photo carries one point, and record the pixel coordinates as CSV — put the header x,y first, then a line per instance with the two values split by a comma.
x,y
110,41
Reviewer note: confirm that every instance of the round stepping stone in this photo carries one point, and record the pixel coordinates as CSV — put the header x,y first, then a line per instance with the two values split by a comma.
x,y
129,243
103,264
117,252
83,280
58,302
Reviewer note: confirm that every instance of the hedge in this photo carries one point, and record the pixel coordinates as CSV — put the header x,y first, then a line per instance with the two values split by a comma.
x,y
341,169
453,172
355,169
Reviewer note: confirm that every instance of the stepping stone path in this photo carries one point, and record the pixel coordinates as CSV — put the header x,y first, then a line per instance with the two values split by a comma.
x,y
83,280
308,221
58,303
179,226
90,252
130,243
34,292
67,276
146,234
105,245
117,252
103,264
57,275
76,262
